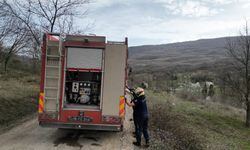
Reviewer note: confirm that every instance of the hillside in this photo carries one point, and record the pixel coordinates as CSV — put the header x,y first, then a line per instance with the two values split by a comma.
x,y
182,56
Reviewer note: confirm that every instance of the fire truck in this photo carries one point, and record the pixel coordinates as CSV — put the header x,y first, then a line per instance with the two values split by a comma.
x,y
83,81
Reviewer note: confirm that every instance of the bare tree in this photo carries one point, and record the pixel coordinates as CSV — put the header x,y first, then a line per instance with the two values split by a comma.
x,y
39,16
239,78
17,39
45,15
13,37
12,10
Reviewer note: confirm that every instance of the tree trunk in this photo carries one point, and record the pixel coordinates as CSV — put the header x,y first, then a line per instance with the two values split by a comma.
x,y
6,61
5,65
248,115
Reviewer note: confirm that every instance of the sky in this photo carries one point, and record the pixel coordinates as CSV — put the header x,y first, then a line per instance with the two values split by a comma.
x,y
151,22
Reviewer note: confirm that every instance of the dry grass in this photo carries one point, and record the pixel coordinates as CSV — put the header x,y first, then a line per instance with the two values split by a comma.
x,y
18,96
167,128
180,124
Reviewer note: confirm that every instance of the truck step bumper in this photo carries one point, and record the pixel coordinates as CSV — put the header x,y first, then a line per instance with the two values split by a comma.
x,y
103,127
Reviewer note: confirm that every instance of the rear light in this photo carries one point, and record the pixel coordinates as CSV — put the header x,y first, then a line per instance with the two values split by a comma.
x,y
111,119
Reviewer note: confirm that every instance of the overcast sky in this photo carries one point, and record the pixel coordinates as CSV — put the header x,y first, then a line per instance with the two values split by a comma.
x,y
167,21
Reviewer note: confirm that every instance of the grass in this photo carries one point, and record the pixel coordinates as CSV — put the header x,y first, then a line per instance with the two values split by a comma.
x,y
18,96
181,124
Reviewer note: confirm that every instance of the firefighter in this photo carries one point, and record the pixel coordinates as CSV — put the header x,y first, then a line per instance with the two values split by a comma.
x,y
140,115
131,91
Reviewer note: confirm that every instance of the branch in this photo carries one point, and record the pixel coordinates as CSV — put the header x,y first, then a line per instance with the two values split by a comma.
x,y
13,13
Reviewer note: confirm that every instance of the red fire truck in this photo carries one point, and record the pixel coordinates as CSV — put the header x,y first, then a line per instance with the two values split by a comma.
x,y
82,82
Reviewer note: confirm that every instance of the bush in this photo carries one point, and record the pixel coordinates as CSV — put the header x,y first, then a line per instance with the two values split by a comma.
x,y
187,92
201,77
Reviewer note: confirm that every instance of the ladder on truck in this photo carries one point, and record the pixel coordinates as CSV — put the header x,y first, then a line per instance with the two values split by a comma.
x,y
52,74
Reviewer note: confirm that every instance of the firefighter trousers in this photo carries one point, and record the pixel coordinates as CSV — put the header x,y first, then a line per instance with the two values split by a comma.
x,y
142,123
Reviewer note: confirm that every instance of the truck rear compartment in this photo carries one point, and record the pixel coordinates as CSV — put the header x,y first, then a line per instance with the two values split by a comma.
x,y
82,83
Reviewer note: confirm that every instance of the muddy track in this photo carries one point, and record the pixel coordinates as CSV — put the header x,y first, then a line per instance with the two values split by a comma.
x,y
30,136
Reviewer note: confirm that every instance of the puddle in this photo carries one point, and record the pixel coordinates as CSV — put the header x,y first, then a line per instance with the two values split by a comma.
x,y
70,139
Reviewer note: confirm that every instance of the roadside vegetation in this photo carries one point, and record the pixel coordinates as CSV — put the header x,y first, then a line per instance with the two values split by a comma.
x,y
177,123
182,119
19,89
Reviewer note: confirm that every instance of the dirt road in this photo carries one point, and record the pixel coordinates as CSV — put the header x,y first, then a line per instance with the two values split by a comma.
x,y
30,136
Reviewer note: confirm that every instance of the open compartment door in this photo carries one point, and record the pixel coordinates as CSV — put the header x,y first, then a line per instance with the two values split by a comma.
x,y
83,78
114,78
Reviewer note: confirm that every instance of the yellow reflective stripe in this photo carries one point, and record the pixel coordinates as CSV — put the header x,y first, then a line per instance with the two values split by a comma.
x,y
122,106
41,103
